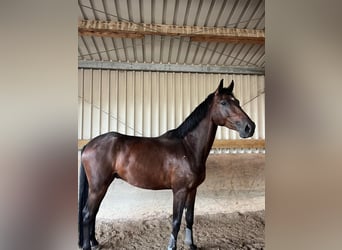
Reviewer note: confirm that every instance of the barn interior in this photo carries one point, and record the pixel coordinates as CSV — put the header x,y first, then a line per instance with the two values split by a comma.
x,y
143,66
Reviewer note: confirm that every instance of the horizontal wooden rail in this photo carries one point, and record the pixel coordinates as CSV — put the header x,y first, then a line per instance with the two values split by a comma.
x,y
248,143
196,33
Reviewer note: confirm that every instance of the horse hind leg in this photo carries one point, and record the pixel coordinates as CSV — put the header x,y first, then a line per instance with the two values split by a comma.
x,y
93,241
89,216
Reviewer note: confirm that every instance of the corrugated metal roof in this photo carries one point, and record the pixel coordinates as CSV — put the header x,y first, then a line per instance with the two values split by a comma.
x,y
241,14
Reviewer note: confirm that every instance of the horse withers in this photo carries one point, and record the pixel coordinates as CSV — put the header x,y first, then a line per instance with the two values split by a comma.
x,y
175,160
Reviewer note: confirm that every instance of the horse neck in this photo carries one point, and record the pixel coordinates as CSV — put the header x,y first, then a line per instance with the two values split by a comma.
x,y
200,139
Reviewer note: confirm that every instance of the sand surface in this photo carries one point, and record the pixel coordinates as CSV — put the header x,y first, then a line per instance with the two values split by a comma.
x,y
229,210
215,231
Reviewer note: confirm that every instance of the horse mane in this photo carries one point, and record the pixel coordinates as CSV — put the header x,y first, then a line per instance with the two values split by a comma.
x,y
193,119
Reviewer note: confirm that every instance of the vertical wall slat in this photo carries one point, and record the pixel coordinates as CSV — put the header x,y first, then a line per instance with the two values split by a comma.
x,y
104,101
109,99
254,105
261,106
100,102
155,104
91,103
87,104
162,104
146,104
130,100
80,103
138,125
186,95
122,102
96,102
178,99
114,101
170,101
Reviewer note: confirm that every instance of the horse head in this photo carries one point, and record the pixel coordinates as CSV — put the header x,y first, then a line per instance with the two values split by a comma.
x,y
226,111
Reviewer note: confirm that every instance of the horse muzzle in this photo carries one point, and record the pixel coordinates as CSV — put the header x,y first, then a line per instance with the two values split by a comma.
x,y
246,129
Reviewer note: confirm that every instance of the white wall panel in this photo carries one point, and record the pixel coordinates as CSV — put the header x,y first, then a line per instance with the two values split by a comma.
x,y
150,103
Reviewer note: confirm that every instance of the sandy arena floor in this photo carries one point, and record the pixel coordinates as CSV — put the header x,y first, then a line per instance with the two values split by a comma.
x,y
229,209
217,231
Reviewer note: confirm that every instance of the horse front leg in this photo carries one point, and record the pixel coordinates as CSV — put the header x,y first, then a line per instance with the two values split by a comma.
x,y
179,198
189,217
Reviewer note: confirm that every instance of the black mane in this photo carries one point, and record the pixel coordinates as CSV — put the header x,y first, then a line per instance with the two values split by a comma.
x,y
193,119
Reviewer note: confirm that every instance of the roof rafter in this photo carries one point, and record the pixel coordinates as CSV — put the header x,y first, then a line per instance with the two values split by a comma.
x,y
196,33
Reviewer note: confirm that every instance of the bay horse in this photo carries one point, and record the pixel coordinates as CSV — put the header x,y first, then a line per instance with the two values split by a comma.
x,y
175,160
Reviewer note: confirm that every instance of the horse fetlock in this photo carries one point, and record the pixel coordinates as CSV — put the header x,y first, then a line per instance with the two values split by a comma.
x,y
188,237
94,243
172,243
86,247
91,247
95,247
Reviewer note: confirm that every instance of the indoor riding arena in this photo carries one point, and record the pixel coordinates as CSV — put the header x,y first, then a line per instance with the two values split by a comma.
x,y
144,66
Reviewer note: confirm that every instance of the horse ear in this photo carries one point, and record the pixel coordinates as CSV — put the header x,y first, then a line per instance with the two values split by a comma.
x,y
231,86
219,88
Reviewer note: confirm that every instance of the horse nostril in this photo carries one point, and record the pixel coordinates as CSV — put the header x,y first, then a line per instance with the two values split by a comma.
x,y
247,128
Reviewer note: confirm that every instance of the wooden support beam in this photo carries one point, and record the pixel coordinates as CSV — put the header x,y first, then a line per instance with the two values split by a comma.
x,y
251,143
196,33
228,39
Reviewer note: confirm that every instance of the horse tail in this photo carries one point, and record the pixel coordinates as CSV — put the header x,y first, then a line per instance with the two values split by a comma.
x,y
83,187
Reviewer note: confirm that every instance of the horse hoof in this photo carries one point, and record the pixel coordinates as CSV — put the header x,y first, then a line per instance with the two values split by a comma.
x,y
193,247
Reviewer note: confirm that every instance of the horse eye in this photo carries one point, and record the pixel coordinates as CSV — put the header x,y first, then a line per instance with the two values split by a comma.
x,y
224,103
